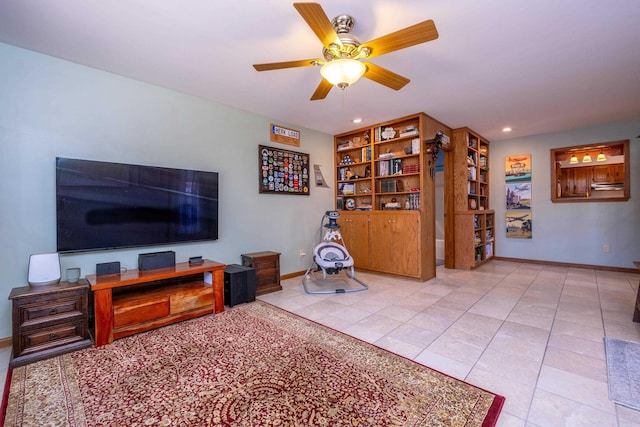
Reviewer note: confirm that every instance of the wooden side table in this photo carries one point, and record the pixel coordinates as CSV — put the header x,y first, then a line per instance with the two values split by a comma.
x,y
267,266
49,321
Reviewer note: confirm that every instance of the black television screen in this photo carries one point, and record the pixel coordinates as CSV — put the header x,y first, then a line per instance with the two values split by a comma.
x,y
101,205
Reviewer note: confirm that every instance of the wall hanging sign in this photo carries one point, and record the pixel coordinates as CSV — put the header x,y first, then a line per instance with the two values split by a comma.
x,y
283,171
518,196
284,135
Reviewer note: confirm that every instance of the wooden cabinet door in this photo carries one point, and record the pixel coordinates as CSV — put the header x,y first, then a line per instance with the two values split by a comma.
x,y
581,181
354,227
395,243
616,172
601,173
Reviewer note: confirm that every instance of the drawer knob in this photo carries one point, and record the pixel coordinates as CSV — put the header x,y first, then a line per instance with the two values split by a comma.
x,y
53,311
53,336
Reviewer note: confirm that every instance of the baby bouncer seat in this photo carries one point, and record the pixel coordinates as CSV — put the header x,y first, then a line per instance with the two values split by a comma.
x,y
332,258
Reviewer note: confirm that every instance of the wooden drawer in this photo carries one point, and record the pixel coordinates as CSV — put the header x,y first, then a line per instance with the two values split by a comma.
x,y
54,336
139,311
35,313
191,299
267,277
265,263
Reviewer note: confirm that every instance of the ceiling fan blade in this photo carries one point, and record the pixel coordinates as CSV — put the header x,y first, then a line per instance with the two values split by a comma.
x,y
410,36
286,64
322,90
385,77
315,17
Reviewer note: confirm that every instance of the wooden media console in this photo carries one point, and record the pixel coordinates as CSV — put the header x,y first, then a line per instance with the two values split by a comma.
x,y
136,301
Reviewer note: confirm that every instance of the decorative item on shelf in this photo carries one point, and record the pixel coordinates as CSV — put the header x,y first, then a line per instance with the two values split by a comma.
x,y
366,137
483,150
350,204
348,173
347,160
367,171
388,133
434,147
73,274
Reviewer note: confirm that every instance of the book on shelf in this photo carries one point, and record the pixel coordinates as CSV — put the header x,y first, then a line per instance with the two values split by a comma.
x,y
414,201
489,250
344,145
346,188
383,168
413,168
396,166
408,133
366,154
415,146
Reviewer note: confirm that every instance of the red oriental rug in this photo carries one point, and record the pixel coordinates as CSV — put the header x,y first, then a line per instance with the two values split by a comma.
x,y
253,365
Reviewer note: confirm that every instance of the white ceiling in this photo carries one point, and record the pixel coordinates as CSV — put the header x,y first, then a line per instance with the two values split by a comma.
x,y
537,66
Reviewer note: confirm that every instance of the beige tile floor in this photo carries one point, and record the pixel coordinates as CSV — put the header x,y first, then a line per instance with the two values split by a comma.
x,y
532,333
529,332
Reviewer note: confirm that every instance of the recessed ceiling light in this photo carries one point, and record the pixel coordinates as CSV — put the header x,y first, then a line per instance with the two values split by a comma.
x,y
357,120
507,129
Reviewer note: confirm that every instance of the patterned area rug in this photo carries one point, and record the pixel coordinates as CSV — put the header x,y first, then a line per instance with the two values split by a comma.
x,y
623,371
253,365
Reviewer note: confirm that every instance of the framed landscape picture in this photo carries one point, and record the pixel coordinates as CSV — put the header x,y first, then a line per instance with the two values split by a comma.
x,y
518,195
519,225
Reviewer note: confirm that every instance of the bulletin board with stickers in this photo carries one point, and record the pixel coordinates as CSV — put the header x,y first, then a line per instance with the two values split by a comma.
x,y
283,171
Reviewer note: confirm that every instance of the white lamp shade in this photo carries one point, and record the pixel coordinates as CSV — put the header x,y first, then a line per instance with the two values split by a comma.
x,y
343,72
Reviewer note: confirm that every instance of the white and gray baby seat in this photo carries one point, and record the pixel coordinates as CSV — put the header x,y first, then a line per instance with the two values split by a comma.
x,y
332,258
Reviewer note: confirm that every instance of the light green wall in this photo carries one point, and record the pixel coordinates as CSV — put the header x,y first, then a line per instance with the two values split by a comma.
x,y
570,232
50,107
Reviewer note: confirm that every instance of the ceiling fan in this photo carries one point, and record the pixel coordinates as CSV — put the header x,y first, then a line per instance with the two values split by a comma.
x,y
343,52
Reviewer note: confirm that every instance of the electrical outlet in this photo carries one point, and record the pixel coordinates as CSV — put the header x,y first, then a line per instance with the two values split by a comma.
x,y
605,248
302,252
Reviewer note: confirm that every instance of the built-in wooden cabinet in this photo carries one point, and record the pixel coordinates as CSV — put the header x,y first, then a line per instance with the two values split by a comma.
x,y
469,222
577,181
475,238
386,195
395,247
355,234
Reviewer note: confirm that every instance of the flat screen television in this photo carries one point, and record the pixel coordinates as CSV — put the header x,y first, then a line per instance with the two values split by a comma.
x,y
102,205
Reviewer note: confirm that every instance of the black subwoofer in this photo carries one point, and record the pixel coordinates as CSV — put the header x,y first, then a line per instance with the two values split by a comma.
x,y
239,284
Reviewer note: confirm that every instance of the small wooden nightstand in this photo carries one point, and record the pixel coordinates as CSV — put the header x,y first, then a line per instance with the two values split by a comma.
x,y
267,266
49,321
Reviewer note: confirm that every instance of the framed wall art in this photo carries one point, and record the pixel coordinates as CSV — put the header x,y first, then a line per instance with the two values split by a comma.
x,y
283,171
517,173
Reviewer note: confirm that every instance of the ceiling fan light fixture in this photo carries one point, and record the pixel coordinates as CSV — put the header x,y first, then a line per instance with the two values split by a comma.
x,y
586,158
573,160
343,72
601,157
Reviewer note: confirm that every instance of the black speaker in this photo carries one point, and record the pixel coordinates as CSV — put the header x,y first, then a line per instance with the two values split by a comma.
x,y
155,260
239,284
107,268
